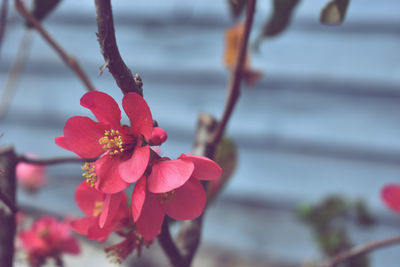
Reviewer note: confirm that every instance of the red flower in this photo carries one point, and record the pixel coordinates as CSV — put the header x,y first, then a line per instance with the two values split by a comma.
x,y
31,177
48,238
124,150
391,196
172,188
104,212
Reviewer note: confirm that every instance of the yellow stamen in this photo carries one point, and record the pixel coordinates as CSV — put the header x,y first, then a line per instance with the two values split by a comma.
x,y
168,196
112,141
98,208
89,174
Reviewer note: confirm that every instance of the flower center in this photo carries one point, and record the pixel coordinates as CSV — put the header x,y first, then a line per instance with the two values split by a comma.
x,y
44,233
98,208
89,174
168,196
112,141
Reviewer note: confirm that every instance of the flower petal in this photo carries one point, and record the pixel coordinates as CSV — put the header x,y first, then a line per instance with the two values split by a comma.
x,y
99,234
188,203
103,107
139,114
108,179
81,226
71,246
81,135
151,217
132,169
167,175
110,208
391,196
204,168
138,197
86,197
60,141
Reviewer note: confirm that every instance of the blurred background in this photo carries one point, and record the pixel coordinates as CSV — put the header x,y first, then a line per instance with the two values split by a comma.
x,y
322,121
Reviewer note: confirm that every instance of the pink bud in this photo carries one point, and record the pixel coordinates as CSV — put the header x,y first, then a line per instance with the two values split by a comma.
x,y
158,136
31,177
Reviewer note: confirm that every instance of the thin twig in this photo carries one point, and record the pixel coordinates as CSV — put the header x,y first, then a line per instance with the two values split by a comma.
x,y
15,72
69,60
169,246
360,250
108,46
190,232
3,20
52,161
236,77
8,203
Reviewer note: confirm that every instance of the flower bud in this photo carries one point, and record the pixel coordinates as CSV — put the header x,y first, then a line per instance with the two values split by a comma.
x,y
158,136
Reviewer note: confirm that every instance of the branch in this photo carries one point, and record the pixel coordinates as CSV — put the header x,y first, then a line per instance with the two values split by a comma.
x,y
52,161
108,46
236,77
69,60
8,163
8,202
3,19
169,247
15,72
360,250
208,136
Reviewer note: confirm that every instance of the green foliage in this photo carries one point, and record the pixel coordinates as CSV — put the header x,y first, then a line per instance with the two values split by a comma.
x,y
334,12
42,8
236,7
279,19
227,158
328,221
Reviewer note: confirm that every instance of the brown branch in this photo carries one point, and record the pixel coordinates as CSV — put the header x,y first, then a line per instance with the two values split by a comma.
x,y
15,72
360,250
13,208
8,163
208,136
69,60
108,46
52,161
169,246
236,77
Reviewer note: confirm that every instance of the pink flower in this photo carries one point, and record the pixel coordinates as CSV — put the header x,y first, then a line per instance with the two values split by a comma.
x,y
391,196
104,212
31,177
124,149
172,188
47,238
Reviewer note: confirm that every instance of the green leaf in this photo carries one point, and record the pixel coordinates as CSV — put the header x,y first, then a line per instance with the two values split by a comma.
x,y
278,20
236,7
41,8
226,157
334,12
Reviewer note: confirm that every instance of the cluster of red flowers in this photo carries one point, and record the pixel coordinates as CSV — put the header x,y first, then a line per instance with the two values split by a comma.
x,y
47,238
125,156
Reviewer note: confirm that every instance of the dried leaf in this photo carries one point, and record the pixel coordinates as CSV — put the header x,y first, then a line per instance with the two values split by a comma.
x,y
236,7
227,158
334,12
278,21
41,8
233,37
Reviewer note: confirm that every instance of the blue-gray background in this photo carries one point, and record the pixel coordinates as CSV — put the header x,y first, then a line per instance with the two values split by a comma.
x,y
323,120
